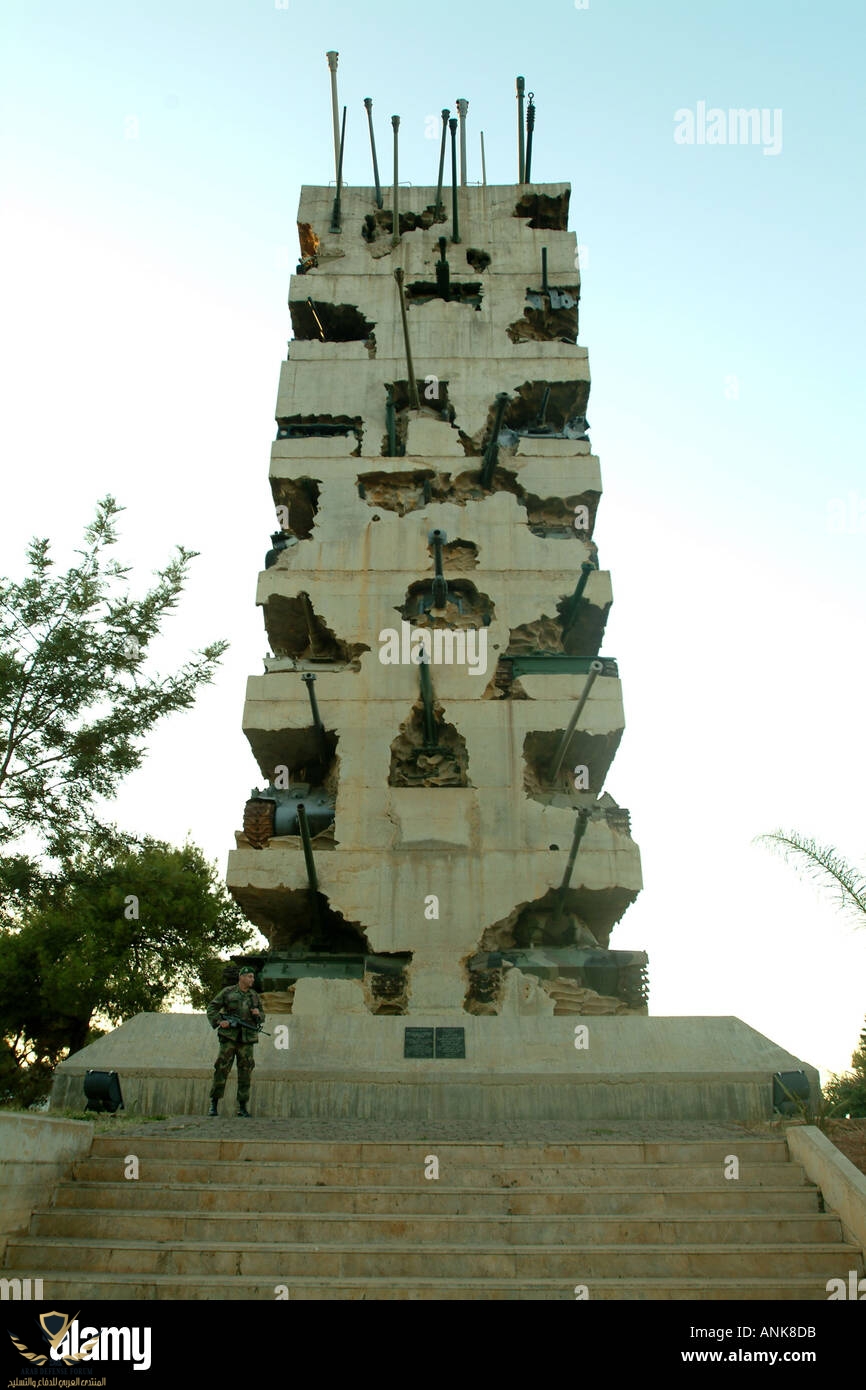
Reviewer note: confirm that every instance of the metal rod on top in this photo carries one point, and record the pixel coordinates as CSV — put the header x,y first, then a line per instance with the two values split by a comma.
x,y
337,214
445,114
483,164
462,108
455,225
530,126
395,234
521,88
332,57
368,103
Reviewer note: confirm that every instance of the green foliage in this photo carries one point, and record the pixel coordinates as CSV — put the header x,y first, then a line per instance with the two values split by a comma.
x,y
75,700
123,927
118,926
847,1093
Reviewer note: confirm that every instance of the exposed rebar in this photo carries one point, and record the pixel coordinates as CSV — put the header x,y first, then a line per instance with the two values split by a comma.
x,y
483,164
368,103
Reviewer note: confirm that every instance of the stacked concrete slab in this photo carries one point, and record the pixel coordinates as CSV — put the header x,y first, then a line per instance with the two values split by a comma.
x,y
451,861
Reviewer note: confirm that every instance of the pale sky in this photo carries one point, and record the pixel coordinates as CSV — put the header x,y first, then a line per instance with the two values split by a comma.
x,y
152,156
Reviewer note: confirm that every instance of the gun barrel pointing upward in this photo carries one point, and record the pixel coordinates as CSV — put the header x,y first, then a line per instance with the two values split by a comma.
x,y
333,58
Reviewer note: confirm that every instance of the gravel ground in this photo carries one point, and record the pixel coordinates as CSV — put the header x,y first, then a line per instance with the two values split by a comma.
x,y
546,1131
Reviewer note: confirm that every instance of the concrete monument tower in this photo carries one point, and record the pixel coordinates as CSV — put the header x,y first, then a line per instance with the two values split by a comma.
x,y
435,839
432,852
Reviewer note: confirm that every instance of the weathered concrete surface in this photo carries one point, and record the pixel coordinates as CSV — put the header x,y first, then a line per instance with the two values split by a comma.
x,y
359,521
523,1066
36,1151
248,1209
843,1186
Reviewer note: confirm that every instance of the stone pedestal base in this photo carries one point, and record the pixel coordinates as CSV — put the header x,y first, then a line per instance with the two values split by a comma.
x,y
353,1066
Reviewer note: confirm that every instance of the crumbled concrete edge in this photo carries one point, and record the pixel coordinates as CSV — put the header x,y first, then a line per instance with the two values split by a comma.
x,y
843,1185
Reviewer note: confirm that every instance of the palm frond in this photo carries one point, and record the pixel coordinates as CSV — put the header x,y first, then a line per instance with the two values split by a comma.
x,y
825,866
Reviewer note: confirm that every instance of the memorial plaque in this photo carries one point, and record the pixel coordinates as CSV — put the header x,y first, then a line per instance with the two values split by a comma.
x,y
418,1042
450,1042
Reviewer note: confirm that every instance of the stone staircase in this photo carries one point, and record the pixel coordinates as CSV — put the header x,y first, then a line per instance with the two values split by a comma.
x,y
247,1218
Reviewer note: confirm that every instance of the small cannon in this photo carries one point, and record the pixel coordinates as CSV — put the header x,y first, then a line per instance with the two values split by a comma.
x,y
297,810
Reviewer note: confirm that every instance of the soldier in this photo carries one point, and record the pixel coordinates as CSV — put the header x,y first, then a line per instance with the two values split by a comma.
x,y
241,1001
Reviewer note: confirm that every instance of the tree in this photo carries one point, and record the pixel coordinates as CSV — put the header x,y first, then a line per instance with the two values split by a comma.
x,y
75,702
847,1093
106,937
823,863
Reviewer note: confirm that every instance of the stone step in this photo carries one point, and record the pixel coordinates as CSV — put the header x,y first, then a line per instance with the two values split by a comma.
x,y
433,1199
83,1285
509,1173
578,1263
329,1228
483,1153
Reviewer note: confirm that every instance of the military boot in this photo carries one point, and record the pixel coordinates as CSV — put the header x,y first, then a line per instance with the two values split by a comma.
x,y
213,1108
243,1113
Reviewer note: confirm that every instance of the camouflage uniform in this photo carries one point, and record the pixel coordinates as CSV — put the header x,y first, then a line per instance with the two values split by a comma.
x,y
234,1041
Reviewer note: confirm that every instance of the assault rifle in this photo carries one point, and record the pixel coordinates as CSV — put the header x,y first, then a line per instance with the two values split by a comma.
x,y
242,1023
